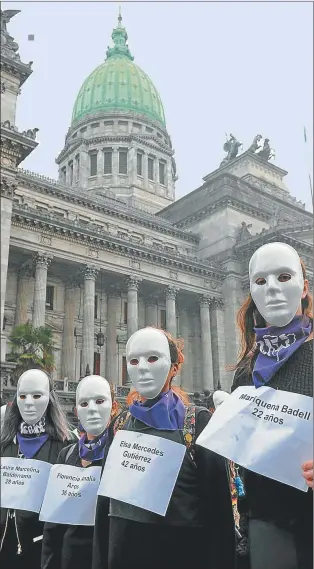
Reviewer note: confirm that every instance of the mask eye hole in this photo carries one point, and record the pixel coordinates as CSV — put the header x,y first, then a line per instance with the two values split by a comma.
x,y
260,281
99,401
134,362
152,359
284,278
83,404
22,396
37,396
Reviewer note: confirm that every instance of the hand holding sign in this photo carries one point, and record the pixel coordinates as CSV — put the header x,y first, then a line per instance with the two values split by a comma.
x,y
255,427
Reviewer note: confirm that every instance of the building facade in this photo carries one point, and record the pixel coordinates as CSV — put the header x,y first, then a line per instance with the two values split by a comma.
x,y
106,249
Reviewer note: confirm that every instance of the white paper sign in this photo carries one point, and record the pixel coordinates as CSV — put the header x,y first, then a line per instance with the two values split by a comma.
x,y
71,495
264,430
23,483
142,470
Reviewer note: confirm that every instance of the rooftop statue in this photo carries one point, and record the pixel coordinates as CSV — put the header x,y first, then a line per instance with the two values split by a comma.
x,y
262,148
256,144
231,146
8,46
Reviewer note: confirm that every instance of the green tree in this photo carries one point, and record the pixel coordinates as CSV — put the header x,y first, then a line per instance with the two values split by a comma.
x,y
31,347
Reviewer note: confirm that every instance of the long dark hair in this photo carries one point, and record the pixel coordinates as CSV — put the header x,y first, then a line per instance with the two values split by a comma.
x,y
249,318
56,423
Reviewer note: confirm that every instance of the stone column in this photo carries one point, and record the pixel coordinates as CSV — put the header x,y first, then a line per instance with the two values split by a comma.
x,y
24,276
156,172
115,166
145,169
151,311
132,165
207,362
88,341
100,164
111,344
68,345
186,377
233,297
171,319
7,193
84,169
132,284
42,262
218,344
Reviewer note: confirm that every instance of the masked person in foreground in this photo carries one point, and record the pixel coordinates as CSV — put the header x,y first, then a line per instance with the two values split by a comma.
x,y
280,516
197,530
34,428
65,546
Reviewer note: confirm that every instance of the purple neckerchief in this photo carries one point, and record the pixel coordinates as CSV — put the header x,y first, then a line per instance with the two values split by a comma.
x,y
276,346
165,414
94,449
29,446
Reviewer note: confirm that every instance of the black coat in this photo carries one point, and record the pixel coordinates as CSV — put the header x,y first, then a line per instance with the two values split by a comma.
x,y
189,536
18,532
65,546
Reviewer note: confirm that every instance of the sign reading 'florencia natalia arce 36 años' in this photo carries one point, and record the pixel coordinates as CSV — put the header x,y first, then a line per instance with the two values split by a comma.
x,y
264,430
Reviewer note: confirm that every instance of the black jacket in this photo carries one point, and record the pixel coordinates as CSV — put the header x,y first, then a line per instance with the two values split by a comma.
x,y
18,533
197,531
65,546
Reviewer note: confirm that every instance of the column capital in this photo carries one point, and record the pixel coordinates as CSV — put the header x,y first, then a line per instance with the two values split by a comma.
x,y
42,260
150,300
7,188
71,283
25,270
215,303
171,292
113,291
204,300
90,272
132,283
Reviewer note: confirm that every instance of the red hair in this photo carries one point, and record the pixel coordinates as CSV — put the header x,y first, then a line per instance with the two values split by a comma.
x,y
177,358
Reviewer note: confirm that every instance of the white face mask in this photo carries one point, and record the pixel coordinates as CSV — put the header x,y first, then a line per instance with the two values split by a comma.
x,y
32,395
93,404
148,361
276,282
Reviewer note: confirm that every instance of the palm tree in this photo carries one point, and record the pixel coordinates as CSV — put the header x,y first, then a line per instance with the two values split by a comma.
x,y
31,347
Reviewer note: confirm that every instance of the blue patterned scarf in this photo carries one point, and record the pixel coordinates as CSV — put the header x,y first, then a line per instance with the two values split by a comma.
x,y
166,412
276,346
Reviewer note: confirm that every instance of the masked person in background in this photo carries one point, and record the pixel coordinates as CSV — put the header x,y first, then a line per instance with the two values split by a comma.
x,y
35,428
280,517
65,546
197,531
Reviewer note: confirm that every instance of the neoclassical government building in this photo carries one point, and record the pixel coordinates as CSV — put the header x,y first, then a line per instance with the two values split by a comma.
x,y
106,249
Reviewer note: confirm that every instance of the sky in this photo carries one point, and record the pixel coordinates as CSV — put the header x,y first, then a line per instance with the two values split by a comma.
x,y
220,67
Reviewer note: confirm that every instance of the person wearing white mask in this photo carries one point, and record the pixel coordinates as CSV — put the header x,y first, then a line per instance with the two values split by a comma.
x,y
197,531
70,547
35,427
276,325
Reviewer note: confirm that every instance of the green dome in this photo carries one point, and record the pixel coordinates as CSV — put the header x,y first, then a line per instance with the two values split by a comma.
x,y
118,84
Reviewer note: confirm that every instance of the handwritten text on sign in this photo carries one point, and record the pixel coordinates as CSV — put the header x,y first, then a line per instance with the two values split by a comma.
x,y
264,430
71,495
142,470
23,483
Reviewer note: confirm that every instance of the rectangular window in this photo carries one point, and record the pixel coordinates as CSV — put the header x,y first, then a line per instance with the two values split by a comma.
x,y
77,167
50,290
96,306
162,173
93,164
163,322
123,162
71,173
63,175
150,164
108,162
124,371
139,164
96,363
125,313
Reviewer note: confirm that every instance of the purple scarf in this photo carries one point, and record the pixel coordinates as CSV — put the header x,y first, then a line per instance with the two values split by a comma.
x,y
32,437
94,449
29,446
276,346
165,414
